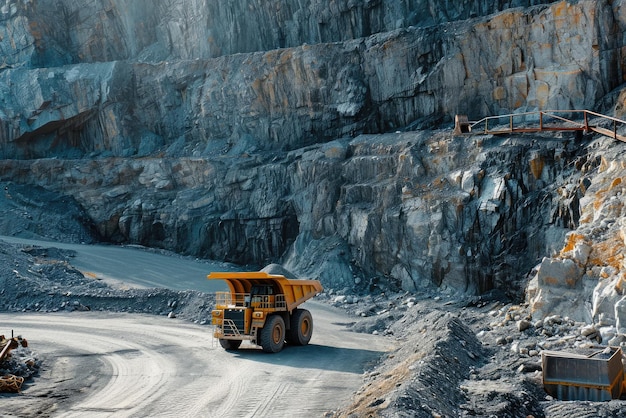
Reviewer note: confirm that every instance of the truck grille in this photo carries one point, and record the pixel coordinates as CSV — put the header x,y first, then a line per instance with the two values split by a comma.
x,y
233,318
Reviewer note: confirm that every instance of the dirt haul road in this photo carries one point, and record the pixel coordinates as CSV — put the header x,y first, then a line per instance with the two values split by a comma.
x,y
101,364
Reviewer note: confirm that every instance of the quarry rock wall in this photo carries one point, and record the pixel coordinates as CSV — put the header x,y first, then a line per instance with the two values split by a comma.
x,y
558,56
317,134
413,210
55,33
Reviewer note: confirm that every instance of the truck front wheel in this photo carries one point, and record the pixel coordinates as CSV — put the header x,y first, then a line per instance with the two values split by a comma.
x,y
273,334
230,344
301,327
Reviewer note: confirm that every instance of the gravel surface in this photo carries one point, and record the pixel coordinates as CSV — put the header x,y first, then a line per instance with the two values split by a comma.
x,y
103,364
99,353
470,357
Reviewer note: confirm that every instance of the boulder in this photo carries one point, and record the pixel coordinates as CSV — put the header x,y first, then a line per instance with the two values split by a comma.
x,y
563,273
559,291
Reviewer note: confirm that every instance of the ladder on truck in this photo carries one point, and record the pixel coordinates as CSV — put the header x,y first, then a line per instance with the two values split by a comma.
x,y
542,121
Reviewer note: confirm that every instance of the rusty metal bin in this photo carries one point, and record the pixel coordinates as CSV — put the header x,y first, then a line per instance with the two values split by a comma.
x,y
577,377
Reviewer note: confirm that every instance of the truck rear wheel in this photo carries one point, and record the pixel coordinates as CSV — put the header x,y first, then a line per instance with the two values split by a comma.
x,y
273,334
301,327
230,344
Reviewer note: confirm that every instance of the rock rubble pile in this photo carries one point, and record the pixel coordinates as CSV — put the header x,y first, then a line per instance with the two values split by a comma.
x,y
465,357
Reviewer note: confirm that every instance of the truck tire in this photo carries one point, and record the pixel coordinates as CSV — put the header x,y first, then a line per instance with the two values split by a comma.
x,y
301,327
230,344
273,334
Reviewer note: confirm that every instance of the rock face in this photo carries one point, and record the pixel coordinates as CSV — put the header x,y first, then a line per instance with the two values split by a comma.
x,y
32,212
49,33
414,209
134,104
295,132
585,279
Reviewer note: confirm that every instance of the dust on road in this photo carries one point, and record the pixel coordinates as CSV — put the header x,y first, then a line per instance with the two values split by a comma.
x,y
105,364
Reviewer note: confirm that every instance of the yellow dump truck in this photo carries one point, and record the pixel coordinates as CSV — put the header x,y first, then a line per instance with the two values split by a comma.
x,y
262,308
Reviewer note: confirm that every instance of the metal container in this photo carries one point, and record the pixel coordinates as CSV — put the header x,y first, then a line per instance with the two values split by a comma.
x,y
577,377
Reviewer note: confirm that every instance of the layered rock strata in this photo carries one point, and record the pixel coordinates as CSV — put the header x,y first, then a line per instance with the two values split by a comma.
x,y
284,99
168,139
413,209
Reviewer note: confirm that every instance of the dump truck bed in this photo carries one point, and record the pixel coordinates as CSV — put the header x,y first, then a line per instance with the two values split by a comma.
x,y
296,291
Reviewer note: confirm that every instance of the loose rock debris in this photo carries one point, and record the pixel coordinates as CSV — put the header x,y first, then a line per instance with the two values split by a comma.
x,y
16,363
458,358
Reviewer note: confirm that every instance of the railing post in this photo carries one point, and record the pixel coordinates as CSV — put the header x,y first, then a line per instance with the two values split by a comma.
x,y
586,122
614,130
486,125
540,120
511,122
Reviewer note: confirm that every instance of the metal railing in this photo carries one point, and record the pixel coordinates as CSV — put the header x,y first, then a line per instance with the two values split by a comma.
x,y
227,299
230,299
544,120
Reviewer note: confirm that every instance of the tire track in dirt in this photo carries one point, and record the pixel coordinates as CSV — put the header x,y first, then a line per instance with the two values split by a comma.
x,y
100,364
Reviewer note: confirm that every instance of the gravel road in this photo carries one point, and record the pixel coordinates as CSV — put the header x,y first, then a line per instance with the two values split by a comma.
x,y
102,364
137,266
